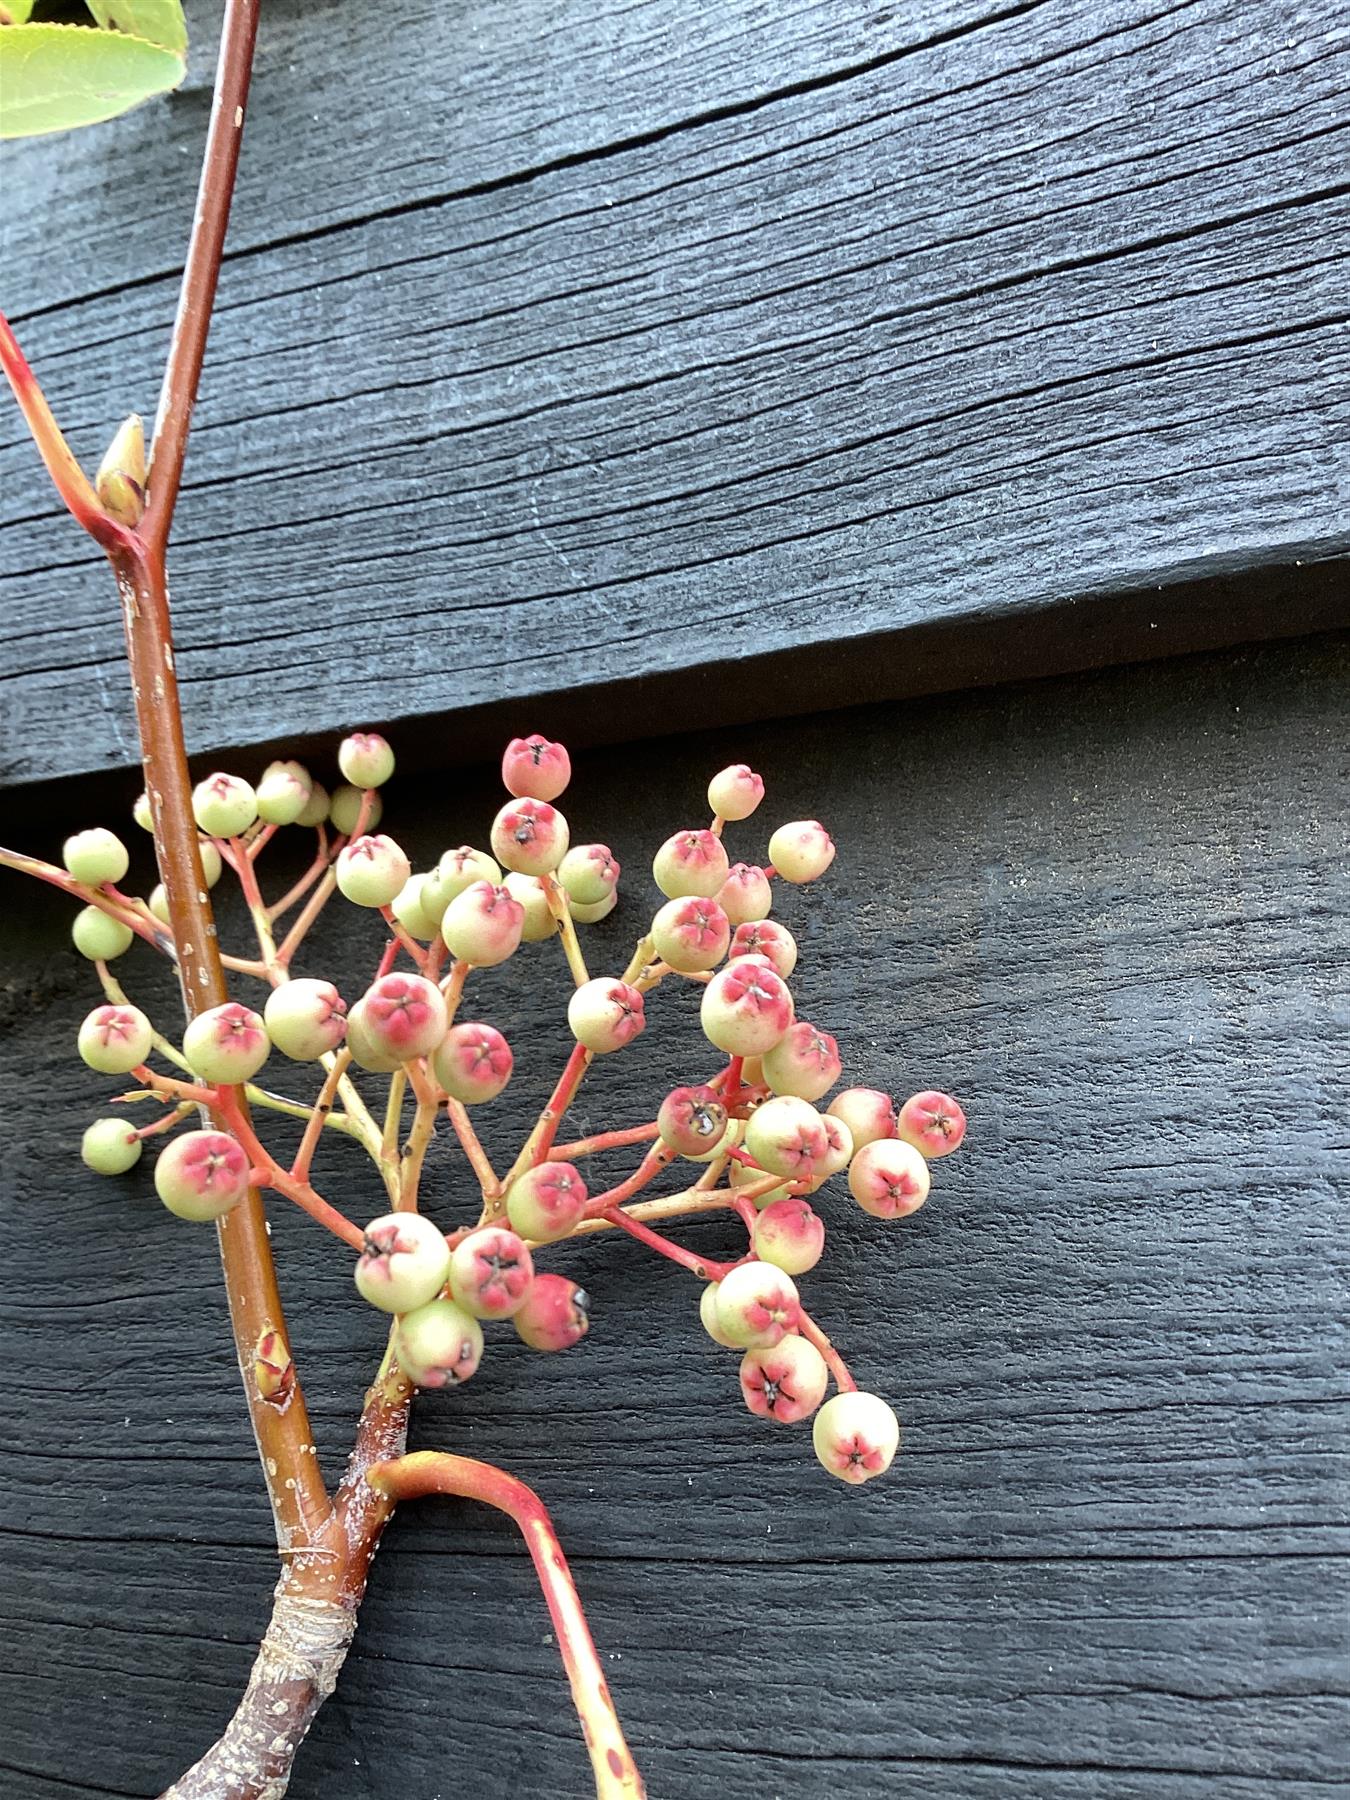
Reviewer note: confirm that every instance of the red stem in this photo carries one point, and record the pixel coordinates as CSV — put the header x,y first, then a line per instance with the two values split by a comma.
x,y
663,1246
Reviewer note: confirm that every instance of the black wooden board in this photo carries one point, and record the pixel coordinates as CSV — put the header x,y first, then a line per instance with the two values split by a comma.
x,y
557,348
1110,912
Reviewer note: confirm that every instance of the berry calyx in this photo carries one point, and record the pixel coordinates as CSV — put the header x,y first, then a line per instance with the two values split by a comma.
x,y
556,1314
473,1063
801,851
224,805
889,1178
934,1123
691,934
745,1009
746,894
110,1147
589,873
692,1120
785,1382
284,792
404,1015
868,1113
115,1039
226,1044
403,1263
545,1202
786,1136
757,1304
769,939
690,862
736,791
201,1175
96,856
305,1019
529,836
534,767
856,1436
805,1062
604,1014
539,922
98,936
483,924
372,871
790,1235
438,1345
365,759
491,1273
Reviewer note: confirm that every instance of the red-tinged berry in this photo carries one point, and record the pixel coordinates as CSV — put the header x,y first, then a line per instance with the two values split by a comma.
x,y
790,1235
604,1014
459,869
346,804
365,759
868,1113
227,1044
201,1175
769,939
786,1382
736,791
473,1063
529,836
115,1039
745,1009
224,805
746,895
786,1136
691,862
757,1304
110,1147
539,922
142,814
98,936
692,1120
409,908
691,935
491,1273
372,871
856,1437
284,792
582,914
305,1019
95,856
589,873
804,1061
888,1178
404,1262
707,1312
483,924
932,1122
404,1015
556,1314
315,810
535,768
368,1050
439,1345
838,1149
545,1202
801,851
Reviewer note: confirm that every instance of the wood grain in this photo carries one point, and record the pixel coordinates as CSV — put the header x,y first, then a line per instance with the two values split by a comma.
x,y
1110,913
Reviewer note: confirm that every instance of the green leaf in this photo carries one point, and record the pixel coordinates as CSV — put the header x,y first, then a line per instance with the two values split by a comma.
x,y
157,21
53,77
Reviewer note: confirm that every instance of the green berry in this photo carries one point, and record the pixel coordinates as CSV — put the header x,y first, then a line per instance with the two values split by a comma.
x,y
545,1202
691,934
315,810
786,1136
115,1039
438,1345
305,1019
707,1312
224,805
365,759
745,1009
790,1235
98,936
604,1015
736,791
95,856
582,914
211,861
284,792
404,1262
804,1061
141,813
409,908
159,903
201,1175
344,809
539,923
589,873
483,925
372,871
459,869
801,851
226,1044
757,1304
110,1147
856,1437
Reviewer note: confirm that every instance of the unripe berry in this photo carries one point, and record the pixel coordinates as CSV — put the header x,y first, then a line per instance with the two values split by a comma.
x,y
766,937
789,1235
438,1345
707,1312
315,810
473,1063
589,873
305,1019
98,936
691,934
409,909
345,804
538,923
801,851
529,836
158,902
746,894
224,805
483,925
545,1202
226,1044
804,1061
533,766
284,792
491,1272
868,1113
592,915
786,1136
404,1015
735,791
605,1015
691,862
115,1039
211,861
786,1382
110,1147
459,869
142,814
372,871
932,1122
368,1051
729,1139
201,1175
365,759
403,1263
746,1175
757,1304
856,1437
691,1120
745,1009
838,1149
556,1314
888,1178
95,856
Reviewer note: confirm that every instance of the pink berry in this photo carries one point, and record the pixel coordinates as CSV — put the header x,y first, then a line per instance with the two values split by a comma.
x,y
201,1174
757,1304
804,1061
745,1009
868,1113
767,938
115,1039
404,1262
556,1314
545,1202
491,1273
604,1015
95,856
888,1178
801,851
786,1136
691,1120
438,1345
473,1063
227,1044
691,862
483,925
589,873
538,922
404,1015
368,1052
372,871
786,1382
856,1437
535,767
735,792
365,759
529,836
224,805
305,1019
790,1235
745,895
691,934
707,1312
284,792
932,1122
